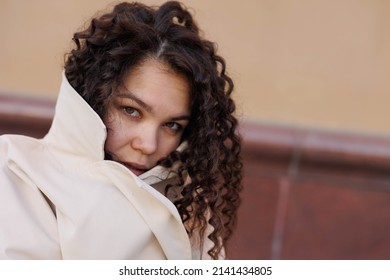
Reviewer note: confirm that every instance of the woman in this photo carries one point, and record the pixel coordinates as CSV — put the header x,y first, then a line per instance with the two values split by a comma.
x,y
142,160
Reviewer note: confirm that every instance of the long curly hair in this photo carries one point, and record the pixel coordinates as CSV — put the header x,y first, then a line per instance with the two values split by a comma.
x,y
116,42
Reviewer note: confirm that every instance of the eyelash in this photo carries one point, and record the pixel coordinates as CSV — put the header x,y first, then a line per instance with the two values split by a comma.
x,y
126,109
175,130
130,111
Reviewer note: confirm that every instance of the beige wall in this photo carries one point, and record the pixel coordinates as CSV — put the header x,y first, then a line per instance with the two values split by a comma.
x,y
317,63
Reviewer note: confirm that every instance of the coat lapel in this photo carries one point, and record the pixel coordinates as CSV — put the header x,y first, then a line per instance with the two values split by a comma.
x,y
156,210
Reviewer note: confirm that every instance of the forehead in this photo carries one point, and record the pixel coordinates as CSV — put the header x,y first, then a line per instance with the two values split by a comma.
x,y
158,86
155,68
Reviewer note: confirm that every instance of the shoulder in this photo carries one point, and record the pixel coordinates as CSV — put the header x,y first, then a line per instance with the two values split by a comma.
x,y
17,149
10,144
11,139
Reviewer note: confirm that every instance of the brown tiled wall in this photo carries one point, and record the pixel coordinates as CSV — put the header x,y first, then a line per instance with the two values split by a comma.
x,y
308,194
25,115
312,194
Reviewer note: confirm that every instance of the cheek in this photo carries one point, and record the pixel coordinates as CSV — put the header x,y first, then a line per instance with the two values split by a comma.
x,y
109,145
169,145
114,137
113,125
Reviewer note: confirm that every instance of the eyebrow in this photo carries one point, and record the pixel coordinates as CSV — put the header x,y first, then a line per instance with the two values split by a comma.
x,y
128,94
181,118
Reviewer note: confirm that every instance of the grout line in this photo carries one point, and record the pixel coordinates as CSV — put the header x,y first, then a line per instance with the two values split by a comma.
x,y
282,204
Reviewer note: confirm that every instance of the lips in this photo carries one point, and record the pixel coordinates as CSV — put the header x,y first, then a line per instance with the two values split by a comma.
x,y
137,169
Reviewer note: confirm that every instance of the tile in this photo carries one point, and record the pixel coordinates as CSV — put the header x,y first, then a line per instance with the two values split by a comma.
x,y
29,128
326,220
256,216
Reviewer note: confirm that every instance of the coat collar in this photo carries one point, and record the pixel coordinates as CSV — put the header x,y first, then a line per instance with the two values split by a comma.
x,y
76,128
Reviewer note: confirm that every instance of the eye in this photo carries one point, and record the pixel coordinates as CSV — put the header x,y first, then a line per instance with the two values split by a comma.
x,y
173,126
132,112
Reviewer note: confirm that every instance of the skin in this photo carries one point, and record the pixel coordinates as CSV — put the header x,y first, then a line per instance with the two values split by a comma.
x,y
146,119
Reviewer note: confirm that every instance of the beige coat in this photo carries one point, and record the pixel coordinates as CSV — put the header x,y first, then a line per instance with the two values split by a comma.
x,y
59,198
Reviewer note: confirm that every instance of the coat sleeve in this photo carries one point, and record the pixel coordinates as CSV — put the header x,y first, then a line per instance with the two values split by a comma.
x,y
27,228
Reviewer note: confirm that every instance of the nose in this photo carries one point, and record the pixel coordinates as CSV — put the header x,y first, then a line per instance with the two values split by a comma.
x,y
145,141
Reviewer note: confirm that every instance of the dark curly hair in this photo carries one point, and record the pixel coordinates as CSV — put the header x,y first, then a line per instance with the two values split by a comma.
x,y
122,39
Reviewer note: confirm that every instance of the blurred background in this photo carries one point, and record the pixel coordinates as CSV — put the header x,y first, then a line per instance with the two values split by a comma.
x,y
313,96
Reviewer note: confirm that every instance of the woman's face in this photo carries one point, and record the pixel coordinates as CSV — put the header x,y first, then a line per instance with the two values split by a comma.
x,y
145,120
